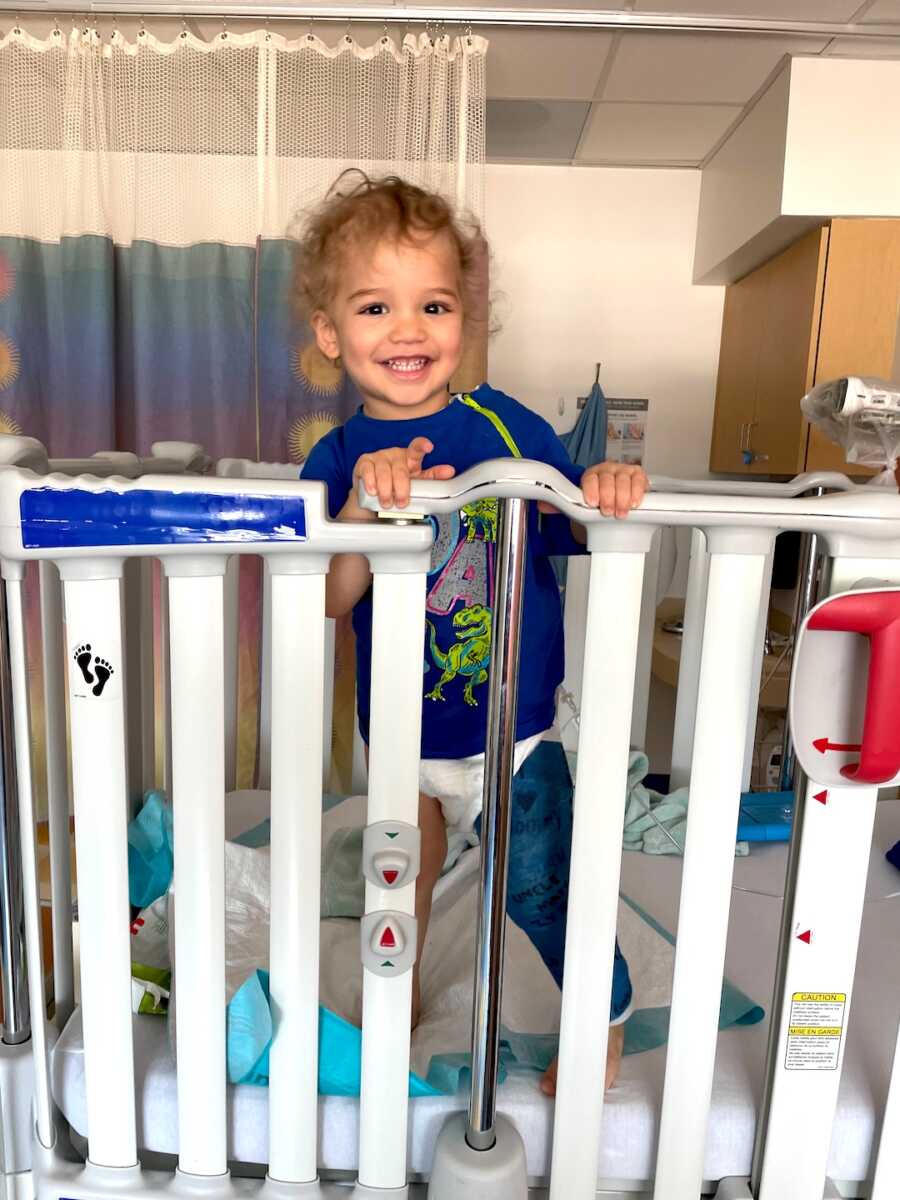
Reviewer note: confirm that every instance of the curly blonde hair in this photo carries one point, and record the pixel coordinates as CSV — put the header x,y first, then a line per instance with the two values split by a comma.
x,y
361,211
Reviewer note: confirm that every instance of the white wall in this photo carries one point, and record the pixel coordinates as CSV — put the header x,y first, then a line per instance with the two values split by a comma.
x,y
595,265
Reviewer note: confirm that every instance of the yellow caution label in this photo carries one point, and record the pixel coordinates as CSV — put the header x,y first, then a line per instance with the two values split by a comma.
x,y
815,1031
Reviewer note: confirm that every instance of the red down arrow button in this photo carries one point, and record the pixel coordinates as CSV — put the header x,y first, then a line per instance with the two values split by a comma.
x,y
391,867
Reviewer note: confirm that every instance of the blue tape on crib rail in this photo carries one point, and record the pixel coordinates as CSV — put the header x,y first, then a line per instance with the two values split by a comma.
x,y
52,519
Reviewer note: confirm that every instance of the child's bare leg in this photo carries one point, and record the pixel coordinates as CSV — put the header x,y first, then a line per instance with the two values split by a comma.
x,y
613,1062
434,853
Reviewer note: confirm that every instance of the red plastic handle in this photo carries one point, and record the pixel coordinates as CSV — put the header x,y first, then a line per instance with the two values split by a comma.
x,y
875,615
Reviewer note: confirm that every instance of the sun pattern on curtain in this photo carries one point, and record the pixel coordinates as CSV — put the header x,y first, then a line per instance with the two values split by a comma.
x,y
147,193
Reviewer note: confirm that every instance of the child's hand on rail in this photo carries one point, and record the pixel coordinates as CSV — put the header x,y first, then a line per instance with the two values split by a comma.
x,y
614,488
387,473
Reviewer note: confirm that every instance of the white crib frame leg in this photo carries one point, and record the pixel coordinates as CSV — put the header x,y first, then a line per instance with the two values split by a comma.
x,y
828,902
398,639
55,733
298,671
197,651
729,646
93,603
613,616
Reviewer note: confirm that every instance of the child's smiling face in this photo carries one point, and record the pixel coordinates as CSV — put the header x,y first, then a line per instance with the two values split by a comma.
x,y
396,320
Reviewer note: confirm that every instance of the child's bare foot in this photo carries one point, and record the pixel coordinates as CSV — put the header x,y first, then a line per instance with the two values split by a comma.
x,y
614,1049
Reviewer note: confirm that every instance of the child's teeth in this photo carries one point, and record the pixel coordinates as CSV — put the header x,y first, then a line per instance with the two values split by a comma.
x,y
407,364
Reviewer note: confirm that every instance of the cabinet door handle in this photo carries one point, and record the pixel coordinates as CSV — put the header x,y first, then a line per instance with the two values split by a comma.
x,y
743,434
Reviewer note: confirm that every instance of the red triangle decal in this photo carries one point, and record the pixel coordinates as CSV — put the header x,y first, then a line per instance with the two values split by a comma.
x,y
388,941
821,744
822,797
390,877
805,937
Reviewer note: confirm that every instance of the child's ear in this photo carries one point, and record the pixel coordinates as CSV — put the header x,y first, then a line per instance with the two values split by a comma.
x,y
326,334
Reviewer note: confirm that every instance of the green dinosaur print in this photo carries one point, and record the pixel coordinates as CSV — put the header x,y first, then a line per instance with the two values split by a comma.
x,y
468,657
481,520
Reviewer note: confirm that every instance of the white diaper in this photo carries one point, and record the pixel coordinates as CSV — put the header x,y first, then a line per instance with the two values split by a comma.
x,y
458,784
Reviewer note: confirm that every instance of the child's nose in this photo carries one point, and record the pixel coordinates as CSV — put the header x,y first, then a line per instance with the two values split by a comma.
x,y
408,328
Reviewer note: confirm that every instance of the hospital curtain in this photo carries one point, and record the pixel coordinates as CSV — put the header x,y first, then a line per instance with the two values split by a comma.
x,y
148,190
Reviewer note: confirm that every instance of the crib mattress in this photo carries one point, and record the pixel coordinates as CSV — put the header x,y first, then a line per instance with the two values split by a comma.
x,y
631,1112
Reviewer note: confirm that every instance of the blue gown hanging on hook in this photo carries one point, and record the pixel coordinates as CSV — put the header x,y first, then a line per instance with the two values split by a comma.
x,y
586,444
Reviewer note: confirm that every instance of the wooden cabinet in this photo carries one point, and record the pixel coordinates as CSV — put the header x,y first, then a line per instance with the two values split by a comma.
x,y
827,306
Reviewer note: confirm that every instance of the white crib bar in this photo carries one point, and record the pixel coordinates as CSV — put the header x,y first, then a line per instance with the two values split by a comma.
x,y
829,898
55,733
735,582
689,663
198,790
99,782
886,1183
398,631
43,1116
614,603
298,673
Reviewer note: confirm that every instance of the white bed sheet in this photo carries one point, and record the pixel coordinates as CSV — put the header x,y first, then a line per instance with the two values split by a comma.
x,y
632,1107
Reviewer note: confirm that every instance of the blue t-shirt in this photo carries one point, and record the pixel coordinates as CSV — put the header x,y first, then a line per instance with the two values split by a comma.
x,y
471,429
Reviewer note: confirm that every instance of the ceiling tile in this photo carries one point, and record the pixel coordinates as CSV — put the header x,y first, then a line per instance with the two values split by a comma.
x,y
534,129
883,10
560,64
786,10
698,69
647,133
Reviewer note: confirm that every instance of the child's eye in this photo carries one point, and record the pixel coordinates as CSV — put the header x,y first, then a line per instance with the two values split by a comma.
x,y
373,310
437,306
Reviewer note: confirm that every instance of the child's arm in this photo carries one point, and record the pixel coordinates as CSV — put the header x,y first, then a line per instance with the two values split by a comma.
x,y
387,474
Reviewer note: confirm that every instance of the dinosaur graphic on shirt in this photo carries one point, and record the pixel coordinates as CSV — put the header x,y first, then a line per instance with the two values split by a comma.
x,y
481,520
468,656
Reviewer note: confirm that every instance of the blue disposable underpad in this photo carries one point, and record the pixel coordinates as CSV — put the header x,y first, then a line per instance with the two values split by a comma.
x,y
249,1016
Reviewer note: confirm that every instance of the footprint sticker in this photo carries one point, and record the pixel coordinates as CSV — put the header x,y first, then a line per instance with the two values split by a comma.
x,y
82,657
103,670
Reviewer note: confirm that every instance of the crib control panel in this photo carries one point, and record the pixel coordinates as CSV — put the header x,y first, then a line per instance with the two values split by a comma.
x,y
388,942
391,853
845,706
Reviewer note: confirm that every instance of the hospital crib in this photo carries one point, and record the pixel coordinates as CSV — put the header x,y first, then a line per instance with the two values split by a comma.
x,y
845,730
166,458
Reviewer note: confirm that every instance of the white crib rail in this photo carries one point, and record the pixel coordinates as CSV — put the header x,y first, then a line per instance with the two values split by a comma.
x,y
192,525
285,523
740,532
